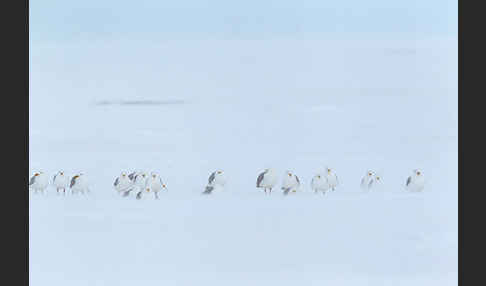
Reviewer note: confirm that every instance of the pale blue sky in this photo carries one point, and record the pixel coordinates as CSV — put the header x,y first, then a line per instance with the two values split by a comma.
x,y
61,20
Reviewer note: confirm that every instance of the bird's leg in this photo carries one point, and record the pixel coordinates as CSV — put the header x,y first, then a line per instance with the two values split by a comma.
x,y
156,195
265,189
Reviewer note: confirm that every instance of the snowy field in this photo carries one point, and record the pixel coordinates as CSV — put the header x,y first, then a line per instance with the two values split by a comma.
x,y
187,108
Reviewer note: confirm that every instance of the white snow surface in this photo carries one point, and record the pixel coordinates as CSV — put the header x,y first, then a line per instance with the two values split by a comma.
x,y
186,108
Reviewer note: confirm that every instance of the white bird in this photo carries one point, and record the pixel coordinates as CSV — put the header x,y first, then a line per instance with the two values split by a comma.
x,y
290,183
367,181
332,178
123,185
141,180
60,181
156,184
319,184
39,182
79,184
141,193
416,182
216,180
267,180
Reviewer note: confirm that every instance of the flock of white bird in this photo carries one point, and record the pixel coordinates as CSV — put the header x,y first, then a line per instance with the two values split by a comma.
x,y
141,184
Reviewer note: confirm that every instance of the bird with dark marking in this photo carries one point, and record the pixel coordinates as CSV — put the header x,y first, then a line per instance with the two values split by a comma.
x,y
416,182
123,185
61,182
267,180
367,181
39,182
79,184
216,181
291,183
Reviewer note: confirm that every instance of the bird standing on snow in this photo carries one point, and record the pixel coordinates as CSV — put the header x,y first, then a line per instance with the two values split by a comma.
x,y
123,185
267,180
141,180
319,184
332,178
290,183
416,182
79,184
60,181
39,182
367,181
156,184
215,180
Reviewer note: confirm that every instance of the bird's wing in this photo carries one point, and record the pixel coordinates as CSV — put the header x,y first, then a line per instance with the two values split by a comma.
x,y
260,178
297,178
116,182
211,178
363,181
208,190
54,179
370,183
32,180
337,181
131,176
286,191
408,181
73,180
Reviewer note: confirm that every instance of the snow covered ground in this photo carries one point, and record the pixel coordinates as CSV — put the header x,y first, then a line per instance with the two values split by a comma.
x,y
187,108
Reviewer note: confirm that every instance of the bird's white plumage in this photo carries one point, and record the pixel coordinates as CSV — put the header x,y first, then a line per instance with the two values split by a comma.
x,y
216,182
332,178
155,184
269,179
60,181
416,181
290,182
367,181
319,183
141,180
39,181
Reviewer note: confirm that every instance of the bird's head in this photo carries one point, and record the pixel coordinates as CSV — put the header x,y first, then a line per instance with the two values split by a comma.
x,y
154,176
36,174
123,174
147,190
418,173
318,176
164,186
75,177
289,174
329,170
370,173
219,172
61,173
144,175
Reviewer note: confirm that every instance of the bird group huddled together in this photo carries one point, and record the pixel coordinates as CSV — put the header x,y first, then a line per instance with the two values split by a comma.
x,y
141,184
40,181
